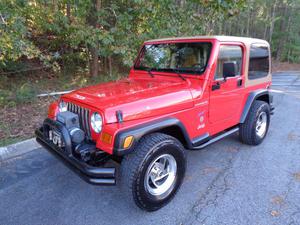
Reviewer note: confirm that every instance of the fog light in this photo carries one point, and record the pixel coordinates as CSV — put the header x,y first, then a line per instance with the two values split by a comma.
x,y
127,142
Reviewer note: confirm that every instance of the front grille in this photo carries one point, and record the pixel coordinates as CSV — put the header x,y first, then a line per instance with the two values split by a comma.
x,y
84,118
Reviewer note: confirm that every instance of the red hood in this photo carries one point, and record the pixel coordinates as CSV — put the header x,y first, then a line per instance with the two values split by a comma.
x,y
136,98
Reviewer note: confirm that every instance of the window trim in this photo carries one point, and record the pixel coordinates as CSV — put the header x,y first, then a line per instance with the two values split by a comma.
x,y
269,57
242,46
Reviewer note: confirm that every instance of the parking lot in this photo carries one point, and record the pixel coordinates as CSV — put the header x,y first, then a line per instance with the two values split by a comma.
x,y
226,183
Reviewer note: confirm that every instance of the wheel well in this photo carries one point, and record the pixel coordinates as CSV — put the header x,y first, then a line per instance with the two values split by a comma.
x,y
261,95
264,98
176,132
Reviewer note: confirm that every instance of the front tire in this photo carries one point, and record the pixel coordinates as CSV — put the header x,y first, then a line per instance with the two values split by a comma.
x,y
153,173
255,128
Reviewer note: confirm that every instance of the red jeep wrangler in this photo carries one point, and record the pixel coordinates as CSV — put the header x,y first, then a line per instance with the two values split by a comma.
x,y
181,93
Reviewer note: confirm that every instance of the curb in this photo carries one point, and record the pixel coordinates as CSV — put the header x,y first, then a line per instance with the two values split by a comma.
x,y
291,72
17,149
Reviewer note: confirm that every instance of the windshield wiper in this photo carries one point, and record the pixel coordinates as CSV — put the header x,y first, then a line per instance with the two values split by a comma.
x,y
150,72
179,74
198,70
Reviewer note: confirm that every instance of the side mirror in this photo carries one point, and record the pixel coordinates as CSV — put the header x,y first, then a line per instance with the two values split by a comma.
x,y
228,69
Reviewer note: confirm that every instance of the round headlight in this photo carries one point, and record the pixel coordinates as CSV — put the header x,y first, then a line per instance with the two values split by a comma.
x,y
96,122
63,107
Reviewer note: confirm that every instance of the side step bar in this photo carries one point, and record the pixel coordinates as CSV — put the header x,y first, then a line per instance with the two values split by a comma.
x,y
217,138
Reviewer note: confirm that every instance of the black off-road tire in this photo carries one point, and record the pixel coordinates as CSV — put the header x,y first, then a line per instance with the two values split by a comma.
x,y
247,130
134,167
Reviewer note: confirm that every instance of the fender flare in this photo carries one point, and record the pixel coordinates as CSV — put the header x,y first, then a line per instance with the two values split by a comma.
x,y
143,129
251,98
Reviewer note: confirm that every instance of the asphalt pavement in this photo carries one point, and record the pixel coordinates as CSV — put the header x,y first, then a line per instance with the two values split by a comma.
x,y
226,183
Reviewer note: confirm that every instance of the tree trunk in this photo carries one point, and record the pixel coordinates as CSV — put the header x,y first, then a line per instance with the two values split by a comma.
x,y
93,21
110,65
272,21
248,20
283,35
265,31
266,21
54,5
288,37
94,63
69,11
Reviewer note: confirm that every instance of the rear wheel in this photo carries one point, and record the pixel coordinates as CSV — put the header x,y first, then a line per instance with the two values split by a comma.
x,y
155,170
254,129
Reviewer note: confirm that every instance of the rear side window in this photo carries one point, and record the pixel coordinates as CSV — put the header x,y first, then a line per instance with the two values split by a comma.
x,y
229,54
259,61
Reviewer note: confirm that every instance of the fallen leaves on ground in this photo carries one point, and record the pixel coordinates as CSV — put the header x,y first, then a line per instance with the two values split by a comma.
x,y
278,200
275,213
232,149
208,170
20,121
293,136
297,176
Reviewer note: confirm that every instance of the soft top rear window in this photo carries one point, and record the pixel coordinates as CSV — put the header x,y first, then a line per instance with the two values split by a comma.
x,y
259,63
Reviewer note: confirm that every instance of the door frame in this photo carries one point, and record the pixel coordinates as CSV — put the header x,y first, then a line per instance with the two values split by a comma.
x,y
223,124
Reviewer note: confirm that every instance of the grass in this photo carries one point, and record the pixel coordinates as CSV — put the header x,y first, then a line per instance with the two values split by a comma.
x,y
9,141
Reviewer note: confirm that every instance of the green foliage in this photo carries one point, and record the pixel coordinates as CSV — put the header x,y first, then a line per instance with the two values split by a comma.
x,y
44,30
61,33
9,141
273,20
4,96
6,139
14,34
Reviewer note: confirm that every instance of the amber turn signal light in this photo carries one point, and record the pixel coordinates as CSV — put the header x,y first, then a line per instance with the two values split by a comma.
x,y
106,138
127,142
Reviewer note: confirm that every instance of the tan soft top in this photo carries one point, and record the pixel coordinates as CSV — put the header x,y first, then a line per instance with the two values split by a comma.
x,y
245,40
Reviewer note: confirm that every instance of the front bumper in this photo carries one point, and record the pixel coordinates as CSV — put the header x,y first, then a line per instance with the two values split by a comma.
x,y
91,174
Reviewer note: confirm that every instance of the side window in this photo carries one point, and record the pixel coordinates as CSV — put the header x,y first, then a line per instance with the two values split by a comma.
x,y
259,61
230,57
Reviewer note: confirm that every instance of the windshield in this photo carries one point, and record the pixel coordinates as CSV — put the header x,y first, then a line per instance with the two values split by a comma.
x,y
180,57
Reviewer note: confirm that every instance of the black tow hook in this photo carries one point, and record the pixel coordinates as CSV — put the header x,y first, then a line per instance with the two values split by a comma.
x,y
85,151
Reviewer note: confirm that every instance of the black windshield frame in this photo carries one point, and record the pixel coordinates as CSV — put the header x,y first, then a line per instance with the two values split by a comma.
x,y
192,71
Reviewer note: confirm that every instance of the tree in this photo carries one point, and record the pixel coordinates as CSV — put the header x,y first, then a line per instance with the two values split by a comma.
x,y
97,34
92,20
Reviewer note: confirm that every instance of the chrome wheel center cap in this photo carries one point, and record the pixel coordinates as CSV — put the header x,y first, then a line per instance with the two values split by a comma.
x,y
156,170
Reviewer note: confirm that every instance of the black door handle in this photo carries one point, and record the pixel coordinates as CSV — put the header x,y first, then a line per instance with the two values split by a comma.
x,y
239,82
216,86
